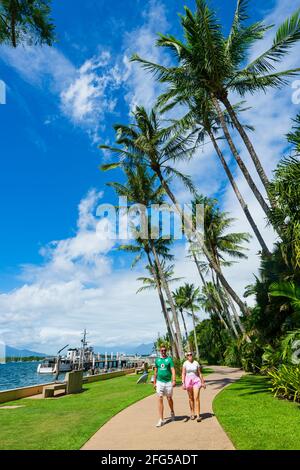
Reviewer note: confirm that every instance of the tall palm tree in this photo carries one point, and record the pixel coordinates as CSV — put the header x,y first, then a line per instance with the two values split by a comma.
x,y
210,302
180,305
154,282
146,140
26,21
141,188
203,120
222,243
189,298
209,61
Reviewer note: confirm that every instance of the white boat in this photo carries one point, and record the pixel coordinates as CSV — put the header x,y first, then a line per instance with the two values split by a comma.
x,y
49,366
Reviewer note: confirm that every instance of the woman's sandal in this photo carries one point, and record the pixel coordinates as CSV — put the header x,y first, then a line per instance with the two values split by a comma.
x,y
199,419
193,417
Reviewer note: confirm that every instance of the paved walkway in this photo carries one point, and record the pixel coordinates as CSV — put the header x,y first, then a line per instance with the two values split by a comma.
x,y
134,428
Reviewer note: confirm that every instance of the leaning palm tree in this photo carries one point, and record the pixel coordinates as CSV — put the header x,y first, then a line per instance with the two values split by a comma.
x,y
147,141
26,21
210,302
222,244
180,305
141,188
209,61
189,298
203,120
154,282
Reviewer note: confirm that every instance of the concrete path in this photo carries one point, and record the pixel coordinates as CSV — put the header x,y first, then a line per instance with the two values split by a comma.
x,y
134,428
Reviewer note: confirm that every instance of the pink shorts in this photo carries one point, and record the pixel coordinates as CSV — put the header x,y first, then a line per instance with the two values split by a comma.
x,y
192,381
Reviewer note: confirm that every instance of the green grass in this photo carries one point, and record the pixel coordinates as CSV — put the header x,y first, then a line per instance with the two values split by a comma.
x,y
67,422
254,419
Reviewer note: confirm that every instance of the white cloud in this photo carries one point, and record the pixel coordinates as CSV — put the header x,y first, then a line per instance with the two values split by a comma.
x,y
85,93
142,88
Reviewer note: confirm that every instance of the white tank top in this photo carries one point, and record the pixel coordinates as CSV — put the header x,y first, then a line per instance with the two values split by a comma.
x,y
191,367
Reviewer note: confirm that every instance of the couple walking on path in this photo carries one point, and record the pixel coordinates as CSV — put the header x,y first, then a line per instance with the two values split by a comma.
x,y
165,381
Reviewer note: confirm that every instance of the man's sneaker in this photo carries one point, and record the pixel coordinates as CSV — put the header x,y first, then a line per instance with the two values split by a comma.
x,y
160,423
172,416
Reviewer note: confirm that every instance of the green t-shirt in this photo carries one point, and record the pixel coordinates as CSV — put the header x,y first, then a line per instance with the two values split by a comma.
x,y
164,366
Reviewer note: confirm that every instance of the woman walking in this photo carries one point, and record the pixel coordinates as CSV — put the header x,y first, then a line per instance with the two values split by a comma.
x,y
192,381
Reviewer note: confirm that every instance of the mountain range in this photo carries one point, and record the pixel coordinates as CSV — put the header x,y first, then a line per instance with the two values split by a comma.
x,y
141,349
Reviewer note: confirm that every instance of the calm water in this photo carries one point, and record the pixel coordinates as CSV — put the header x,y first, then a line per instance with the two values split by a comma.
x,y
22,374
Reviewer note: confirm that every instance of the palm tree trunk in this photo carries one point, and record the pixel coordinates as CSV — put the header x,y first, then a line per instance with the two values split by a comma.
x,y
184,325
225,308
259,168
173,340
195,334
204,284
170,299
215,267
13,14
237,318
239,160
239,196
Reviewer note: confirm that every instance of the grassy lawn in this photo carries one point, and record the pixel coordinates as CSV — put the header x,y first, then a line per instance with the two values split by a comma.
x,y
254,419
67,422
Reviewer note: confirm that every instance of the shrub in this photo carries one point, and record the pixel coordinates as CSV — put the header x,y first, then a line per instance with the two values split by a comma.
x,y
232,355
251,356
285,382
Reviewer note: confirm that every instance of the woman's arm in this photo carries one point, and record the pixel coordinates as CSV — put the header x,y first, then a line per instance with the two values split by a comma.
x,y
183,374
201,376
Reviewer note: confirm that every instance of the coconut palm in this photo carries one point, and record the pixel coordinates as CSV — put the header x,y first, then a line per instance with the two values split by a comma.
x,y
209,61
203,120
180,305
222,244
141,188
288,290
146,140
154,282
211,304
188,297
26,21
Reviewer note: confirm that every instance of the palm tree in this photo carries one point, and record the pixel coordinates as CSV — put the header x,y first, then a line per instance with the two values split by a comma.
x,y
140,188
210,302
203,120
211,62
189,298
146,140
180,304
221,244
154,282
26,21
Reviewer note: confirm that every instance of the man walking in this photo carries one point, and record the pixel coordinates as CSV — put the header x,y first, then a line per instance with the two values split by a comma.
x,y
164,381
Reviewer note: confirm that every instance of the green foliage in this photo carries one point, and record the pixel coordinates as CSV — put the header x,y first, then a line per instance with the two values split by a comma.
x,y
26,22
212,340
282,353
232,355
285,382
251,356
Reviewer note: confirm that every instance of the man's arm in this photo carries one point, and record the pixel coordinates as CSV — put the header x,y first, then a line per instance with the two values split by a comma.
x,y
173,376
154,376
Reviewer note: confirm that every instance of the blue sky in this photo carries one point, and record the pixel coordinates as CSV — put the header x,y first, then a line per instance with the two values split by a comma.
x,y
61,103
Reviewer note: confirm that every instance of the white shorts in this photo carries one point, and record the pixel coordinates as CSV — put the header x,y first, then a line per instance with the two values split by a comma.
x,y
164,389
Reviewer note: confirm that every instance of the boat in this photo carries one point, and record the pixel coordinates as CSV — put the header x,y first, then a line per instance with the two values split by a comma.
x,y
50,365
83,358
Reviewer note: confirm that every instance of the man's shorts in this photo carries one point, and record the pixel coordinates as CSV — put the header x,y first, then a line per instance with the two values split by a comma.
x,y
164,389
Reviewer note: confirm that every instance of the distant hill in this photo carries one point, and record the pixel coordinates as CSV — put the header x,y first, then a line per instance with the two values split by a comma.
x,y
141,349
14,352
